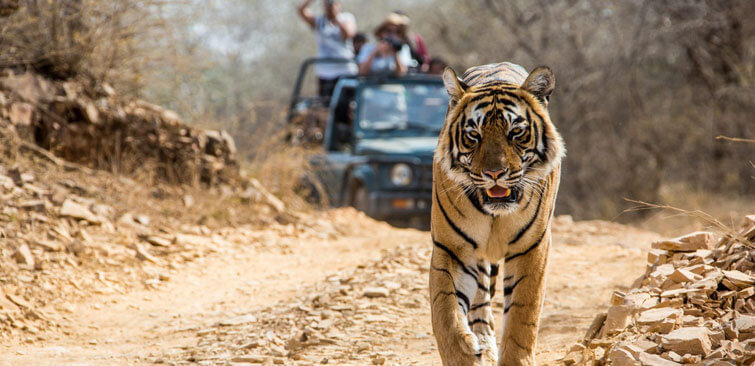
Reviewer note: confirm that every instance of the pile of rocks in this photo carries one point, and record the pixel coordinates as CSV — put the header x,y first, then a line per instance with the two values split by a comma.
x,y
694,305
96,128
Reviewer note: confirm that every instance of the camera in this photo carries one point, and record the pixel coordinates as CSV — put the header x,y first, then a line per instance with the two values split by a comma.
x,y
394,42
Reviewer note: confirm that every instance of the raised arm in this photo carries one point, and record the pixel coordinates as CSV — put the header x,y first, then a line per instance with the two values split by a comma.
x,y
347,26
306,14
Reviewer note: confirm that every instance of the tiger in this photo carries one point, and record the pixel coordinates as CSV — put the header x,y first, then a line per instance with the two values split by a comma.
x,y
496,172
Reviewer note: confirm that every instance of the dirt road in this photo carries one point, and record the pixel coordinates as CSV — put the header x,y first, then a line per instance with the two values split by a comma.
x,y
346,291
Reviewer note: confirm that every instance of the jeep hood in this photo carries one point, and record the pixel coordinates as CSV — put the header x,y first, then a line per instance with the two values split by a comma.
x,y
415,146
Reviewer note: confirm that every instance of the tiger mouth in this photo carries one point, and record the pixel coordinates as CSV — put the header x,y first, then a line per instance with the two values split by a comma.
x,y
498,194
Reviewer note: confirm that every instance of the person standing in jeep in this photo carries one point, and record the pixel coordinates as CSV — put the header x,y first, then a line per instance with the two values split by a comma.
x,y
334,31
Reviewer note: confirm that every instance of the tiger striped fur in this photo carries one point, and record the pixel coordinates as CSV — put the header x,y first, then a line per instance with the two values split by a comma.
x,y
496,174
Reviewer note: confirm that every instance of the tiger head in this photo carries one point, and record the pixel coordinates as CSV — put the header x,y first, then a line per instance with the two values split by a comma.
x,y
498,142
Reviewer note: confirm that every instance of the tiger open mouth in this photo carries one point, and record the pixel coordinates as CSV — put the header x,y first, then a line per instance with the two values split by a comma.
x,y
498,194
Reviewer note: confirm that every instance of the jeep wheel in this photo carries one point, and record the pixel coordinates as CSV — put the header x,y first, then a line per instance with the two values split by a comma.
x,y
310,188
360,200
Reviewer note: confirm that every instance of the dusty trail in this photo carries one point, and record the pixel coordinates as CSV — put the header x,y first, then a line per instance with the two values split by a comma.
x,y
267,296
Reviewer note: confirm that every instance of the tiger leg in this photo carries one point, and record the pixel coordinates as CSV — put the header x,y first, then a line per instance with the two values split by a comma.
x,y
453,282
480,317
523,291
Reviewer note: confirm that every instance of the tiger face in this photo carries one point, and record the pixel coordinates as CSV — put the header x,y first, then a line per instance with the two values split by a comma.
x,y
498,142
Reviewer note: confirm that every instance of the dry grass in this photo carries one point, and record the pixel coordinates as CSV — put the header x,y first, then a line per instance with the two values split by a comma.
x,y
684,210
113,41
8,144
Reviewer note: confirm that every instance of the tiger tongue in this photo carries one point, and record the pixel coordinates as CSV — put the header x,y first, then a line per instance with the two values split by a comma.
x,y
498,192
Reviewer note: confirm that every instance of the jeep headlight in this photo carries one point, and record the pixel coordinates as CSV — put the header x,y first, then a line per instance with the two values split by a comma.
x,y
401,174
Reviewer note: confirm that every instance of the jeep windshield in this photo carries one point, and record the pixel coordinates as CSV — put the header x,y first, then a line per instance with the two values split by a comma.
x,y
401,109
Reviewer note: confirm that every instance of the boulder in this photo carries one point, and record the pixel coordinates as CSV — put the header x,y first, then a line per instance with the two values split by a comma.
x,y
647,359
687,243
653,316
618,318
23,255
77,211
688,340
622,357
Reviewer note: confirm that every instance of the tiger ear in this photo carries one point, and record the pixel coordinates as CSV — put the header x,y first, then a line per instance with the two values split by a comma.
x,y
454,86
540,83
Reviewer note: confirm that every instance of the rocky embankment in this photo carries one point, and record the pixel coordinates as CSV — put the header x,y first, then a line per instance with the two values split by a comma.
x,y
68,235
95,127
694,305
70,228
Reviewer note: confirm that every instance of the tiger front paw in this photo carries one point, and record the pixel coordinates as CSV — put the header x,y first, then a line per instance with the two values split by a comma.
x,y
488,349
469,343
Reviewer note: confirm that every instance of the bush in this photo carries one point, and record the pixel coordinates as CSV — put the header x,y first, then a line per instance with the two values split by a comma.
x,y
99,41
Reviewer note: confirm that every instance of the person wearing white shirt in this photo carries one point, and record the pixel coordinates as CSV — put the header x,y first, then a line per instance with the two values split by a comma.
x,y
334,31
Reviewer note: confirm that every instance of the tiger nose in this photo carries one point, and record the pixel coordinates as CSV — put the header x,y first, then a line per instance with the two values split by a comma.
x,y
493,173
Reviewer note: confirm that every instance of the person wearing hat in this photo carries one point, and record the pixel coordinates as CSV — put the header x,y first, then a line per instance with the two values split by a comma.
x,y
415,41
390,55
334,31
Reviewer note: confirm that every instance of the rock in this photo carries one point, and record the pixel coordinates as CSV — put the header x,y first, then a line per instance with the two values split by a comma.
x,y
250,359
373,292
687,359
126,219
745,323
692,340
646,346
739,279
23,255
33,205
241,319
18,300
143,254
142,219
6,305
20,114
664,327
91,114
617,298
687,243
595,327
657,256
102,210
618,318
647,359
6,182
49,245
74,210
622,357
158,241
653,316
572,358
378,319
673,356
641,300
633,349
683,275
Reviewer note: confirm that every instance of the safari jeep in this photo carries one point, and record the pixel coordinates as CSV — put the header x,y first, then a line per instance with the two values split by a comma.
x,y
378,146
